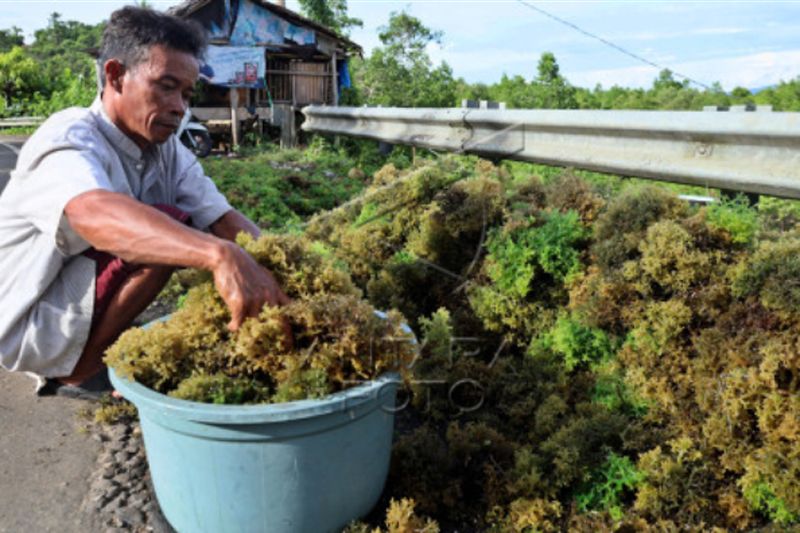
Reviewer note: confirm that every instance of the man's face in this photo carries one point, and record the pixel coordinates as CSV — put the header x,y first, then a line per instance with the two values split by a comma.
x,y
154,95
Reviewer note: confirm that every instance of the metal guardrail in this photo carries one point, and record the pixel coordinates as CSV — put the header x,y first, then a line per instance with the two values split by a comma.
x,y
17,122
749,152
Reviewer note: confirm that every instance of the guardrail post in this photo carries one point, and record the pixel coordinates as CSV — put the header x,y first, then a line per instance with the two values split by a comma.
x,y
285,118
235,126
730,194
482,104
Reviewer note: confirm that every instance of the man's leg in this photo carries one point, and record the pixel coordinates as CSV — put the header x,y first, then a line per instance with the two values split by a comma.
x,y
122,292
132,297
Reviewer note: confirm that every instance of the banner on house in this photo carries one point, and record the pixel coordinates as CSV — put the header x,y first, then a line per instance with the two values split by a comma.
x,y
257,25
234,66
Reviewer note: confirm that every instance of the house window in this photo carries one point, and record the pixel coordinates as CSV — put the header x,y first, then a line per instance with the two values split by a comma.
x,y
298,82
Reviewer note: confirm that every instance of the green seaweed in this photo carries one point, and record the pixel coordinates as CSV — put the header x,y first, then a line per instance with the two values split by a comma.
x,y
579,345
609,485
736,217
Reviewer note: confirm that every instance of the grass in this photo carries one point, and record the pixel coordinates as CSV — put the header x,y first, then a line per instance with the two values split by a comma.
x,y
278,189
17,130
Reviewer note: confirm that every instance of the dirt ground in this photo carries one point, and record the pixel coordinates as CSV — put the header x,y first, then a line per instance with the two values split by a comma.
x,y
45,460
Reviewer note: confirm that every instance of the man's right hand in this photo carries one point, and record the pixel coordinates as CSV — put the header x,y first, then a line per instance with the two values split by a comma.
x,y
244,285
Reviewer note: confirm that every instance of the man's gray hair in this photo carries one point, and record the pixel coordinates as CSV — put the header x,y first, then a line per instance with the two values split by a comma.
x,y
133,30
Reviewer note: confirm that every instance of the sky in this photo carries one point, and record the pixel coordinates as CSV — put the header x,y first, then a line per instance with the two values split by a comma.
x,y
751,44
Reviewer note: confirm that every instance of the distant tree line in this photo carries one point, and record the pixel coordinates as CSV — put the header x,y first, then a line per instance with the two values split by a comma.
x,y
57,71
401,73
54,72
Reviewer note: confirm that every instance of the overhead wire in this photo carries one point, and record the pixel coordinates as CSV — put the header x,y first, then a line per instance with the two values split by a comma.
x,y
610,44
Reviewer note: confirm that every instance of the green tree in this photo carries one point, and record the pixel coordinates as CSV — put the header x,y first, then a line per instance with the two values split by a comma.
x,y
514,91
400,72
472,91
19,74
552,89
408,37
548,70
330,13
716,95
55,71
666,80
587,98
71,90
65,43
10,38
548,90
783,97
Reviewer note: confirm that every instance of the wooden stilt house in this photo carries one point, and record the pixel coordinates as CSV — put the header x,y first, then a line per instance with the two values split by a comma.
x,y
264,63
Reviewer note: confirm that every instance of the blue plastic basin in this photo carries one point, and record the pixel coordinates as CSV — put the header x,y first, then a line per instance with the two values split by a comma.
x,y
306,466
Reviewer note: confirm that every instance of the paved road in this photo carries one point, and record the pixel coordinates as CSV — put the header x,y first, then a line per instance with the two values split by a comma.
x,y
45,461
45,457
8,158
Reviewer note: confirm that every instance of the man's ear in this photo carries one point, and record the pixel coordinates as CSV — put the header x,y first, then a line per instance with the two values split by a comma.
x,y
114,70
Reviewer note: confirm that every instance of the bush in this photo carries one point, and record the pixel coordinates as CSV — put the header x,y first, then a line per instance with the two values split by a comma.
x,y
280,189
736,217
70,90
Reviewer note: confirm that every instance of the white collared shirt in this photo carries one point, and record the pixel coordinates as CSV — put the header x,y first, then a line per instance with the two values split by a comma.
x,y
46,286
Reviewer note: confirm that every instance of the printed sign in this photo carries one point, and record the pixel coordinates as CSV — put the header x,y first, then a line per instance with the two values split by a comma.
x,y
234,66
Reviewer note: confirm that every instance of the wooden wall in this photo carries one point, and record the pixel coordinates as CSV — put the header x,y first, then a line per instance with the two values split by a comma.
x,y
299,82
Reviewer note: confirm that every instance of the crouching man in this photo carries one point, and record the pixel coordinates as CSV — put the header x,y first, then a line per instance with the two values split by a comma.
x,y
104,203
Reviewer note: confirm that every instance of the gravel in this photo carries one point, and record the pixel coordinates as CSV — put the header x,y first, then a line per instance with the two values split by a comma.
x,y
120,493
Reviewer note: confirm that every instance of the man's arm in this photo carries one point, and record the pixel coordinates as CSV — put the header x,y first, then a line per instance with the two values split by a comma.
x,y
229,225
122,226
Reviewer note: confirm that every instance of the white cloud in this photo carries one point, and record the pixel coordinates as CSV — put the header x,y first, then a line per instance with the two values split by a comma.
x,y
751,70
719,31
658,35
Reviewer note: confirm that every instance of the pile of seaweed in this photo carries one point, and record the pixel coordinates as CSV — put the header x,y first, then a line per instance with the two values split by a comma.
x,y
590,360
338,339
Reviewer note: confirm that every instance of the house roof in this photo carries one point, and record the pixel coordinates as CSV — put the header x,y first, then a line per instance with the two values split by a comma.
x,y
188,7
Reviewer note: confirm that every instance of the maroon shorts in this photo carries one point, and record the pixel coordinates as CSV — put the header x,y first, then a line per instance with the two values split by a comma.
x,y
111,271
